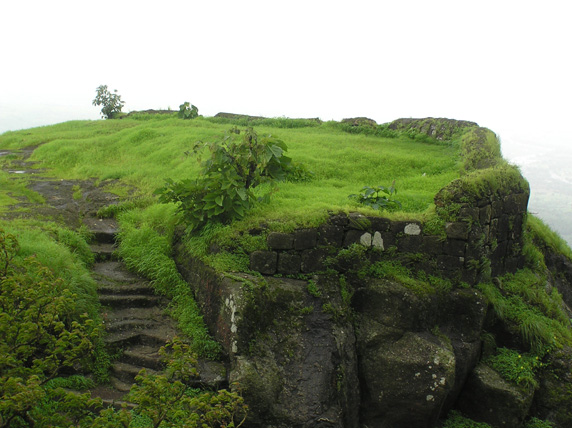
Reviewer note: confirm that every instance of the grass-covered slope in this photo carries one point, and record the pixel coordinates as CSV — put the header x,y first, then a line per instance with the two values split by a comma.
x,y
144,153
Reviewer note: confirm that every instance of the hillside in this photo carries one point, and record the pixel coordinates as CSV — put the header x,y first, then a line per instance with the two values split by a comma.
x,y
327,312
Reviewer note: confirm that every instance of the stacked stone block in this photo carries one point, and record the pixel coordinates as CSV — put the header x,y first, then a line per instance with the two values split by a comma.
x,y
485,241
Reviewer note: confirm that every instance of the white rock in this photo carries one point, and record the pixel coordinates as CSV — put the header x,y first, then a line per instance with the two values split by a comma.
x,y
412,229
378,240
365,239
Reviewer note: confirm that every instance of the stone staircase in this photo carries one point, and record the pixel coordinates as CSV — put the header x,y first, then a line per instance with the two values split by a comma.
x,y
135,320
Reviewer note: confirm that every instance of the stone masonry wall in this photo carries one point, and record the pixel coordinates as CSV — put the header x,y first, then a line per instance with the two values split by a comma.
x,y
485,241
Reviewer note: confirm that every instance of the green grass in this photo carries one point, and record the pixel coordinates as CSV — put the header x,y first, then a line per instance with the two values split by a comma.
x,y
145,247
12,187
542,235
522,302
145,153
63,251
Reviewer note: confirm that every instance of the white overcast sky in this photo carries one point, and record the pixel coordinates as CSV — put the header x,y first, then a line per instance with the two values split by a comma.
x,y
504,64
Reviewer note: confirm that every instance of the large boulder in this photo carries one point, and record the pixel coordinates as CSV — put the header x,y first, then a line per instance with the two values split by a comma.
x,y
487,397
415,351
553,400
406,383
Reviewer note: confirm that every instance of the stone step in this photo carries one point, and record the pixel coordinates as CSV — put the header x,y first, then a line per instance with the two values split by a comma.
x,y
124,339
156,314
119,385
129,300
104,252
126,372
114,271
104,230
128,325
142,289
144,356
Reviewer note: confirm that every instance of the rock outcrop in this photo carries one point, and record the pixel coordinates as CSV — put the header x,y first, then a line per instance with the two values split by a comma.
x,y
343,345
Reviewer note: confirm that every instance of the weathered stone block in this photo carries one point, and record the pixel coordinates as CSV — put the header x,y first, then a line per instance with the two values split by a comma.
x,y
412,229
493,229
503,228
280,241
521,202
339,220
313,260
432,245
411,373
305,238
410,243
331,235
380,224
359,222
352,237
516,203
516,223
389,240
457,230
469,213
454,247
449,263
377,241
264,262
488,398
482,202
289,263
365,239
485,214
497,209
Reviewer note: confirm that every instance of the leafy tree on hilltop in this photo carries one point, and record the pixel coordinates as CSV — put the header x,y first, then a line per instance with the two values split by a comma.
x,y
111,102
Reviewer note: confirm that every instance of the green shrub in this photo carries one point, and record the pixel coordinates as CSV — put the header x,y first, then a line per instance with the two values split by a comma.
x,y
516,367
188,111
225,187
378,197
40,336
537,423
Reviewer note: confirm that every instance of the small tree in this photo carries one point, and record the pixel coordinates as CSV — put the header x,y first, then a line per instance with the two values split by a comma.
x,y
188,111
111,102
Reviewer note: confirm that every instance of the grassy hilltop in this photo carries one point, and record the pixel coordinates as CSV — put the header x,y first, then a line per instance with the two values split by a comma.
x,y
143,153
134,156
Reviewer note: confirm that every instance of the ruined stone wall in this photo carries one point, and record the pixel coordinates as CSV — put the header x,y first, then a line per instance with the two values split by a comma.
x,y
485,241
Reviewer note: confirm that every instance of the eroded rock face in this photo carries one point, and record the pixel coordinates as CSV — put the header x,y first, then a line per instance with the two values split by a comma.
x,y
414,352
489,398
405,383
300,369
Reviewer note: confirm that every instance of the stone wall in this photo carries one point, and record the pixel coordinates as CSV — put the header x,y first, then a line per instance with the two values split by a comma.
x,y
306,354
485,241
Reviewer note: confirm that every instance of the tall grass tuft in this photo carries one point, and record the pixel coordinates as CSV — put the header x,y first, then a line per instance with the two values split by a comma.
x,y
145,247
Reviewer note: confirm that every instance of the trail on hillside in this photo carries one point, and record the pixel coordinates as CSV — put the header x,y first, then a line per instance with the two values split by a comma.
x,y
135,318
